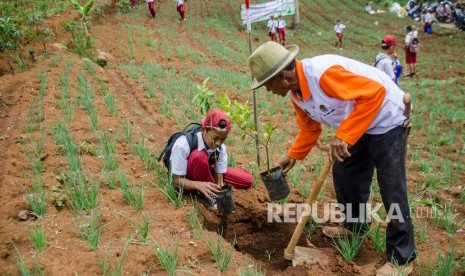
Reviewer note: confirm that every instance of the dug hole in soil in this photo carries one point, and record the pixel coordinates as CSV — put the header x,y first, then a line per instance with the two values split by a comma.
x,y
249,229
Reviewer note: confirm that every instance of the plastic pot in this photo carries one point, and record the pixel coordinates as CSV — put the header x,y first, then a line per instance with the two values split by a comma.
x,y
225,201
275,183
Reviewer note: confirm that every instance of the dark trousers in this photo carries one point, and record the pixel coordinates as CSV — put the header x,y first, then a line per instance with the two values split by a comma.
x,y
152,9
352,181
180,10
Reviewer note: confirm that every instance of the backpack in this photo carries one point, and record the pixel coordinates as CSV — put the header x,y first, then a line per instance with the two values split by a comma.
x,y
190,132
414,45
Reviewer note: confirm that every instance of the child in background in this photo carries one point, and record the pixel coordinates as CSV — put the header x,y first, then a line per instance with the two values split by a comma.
x,y
281,30
180,9
272,28
150,4
428,27
398,69
338,29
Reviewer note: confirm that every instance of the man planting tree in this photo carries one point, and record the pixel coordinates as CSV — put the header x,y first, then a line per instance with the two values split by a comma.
x,y
371,118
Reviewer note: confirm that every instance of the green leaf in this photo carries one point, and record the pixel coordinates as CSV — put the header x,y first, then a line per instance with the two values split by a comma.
x,y
77,6
87,7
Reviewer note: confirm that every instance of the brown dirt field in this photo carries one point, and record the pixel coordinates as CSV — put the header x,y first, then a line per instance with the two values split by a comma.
x,y
69,254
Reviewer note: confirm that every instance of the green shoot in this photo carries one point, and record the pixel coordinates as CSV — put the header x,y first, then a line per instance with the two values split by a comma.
x,y
378,238
172,192
422,235
448,220
311,227
37,238
251,269
37,203
142,226
22,267
90,227
134,195
348,247
193,217
168,257
82,195
127,132
107,269
220,254
111,179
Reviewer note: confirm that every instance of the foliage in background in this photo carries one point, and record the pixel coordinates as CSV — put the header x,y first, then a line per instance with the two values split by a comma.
x,y
123,6
11,36
205,98
85,21
239,113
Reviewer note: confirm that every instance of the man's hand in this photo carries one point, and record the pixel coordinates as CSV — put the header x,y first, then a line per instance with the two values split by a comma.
x,y
286,164
338,150
209,189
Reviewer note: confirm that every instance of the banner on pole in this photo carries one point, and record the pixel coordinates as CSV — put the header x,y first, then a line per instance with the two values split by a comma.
x,y
263,11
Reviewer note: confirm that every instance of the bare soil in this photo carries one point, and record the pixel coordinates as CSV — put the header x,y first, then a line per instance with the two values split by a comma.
x,y
69,254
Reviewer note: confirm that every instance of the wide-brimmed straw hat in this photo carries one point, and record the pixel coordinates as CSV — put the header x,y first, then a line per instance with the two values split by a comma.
x,y
268,60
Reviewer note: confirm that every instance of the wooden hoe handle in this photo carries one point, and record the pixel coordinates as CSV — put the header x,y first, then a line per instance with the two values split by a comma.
x,y
289,252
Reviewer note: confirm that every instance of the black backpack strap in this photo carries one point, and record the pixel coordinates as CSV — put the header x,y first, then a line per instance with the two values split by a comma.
x,y
161,154
190,131
192,140
377,61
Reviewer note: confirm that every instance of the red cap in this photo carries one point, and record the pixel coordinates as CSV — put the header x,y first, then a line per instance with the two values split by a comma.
x,y
214,118
388,40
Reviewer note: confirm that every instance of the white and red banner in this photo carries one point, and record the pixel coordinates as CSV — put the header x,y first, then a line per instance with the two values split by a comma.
x,y
263,11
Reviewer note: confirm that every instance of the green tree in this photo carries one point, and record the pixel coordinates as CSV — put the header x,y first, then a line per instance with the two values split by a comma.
x,y
37,33
240,114
11,35
84,12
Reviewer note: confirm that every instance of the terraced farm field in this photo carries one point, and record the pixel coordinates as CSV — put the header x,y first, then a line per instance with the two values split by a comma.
x,y
81,191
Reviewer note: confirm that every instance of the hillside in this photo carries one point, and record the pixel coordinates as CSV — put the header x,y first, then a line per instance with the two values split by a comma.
x,y
72,133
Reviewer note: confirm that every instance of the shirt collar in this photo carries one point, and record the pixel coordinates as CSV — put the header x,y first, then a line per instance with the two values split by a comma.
x,y
304,89
201,144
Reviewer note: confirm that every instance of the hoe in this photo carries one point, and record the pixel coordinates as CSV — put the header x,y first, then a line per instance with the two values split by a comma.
x,y
303,255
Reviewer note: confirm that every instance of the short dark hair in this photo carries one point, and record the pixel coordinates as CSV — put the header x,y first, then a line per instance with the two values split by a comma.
x,y
409,28
222,124
290,66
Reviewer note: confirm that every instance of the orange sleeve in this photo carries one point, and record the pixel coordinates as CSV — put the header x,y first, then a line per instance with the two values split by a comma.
x,y
338,83
308,135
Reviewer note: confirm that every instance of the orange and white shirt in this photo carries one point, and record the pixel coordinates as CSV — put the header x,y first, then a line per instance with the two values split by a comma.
x,y
346,94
